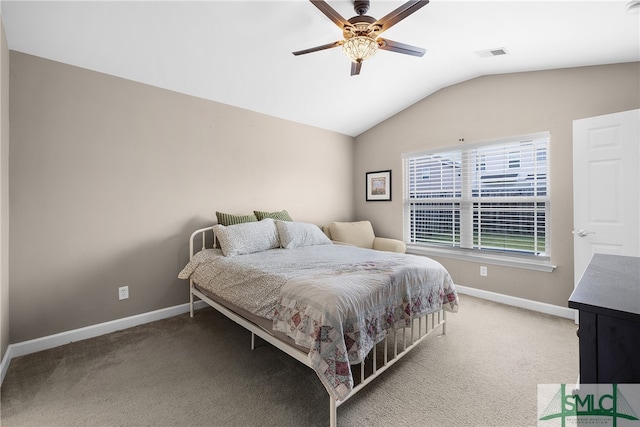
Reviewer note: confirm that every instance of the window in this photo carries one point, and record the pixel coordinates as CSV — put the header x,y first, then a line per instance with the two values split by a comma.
x,y
482,162
514,160
489,197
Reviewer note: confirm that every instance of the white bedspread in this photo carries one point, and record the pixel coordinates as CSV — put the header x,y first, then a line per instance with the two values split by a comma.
x,y
338,301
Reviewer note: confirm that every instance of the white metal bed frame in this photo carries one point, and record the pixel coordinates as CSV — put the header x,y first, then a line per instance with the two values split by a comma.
x,y
417,333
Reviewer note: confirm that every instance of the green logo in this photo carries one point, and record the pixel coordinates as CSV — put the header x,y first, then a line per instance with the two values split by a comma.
x,y
592,404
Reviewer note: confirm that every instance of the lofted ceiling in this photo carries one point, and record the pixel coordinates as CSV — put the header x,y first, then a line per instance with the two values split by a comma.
x,y
239,52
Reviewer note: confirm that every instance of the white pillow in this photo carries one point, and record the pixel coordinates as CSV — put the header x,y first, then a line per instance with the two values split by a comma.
x,y
248,237
298,234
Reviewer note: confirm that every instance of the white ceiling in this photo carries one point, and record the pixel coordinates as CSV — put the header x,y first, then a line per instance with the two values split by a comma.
x,y
239,52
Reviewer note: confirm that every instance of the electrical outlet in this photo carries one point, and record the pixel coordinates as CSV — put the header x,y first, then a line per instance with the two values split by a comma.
x,y
123,292
483,271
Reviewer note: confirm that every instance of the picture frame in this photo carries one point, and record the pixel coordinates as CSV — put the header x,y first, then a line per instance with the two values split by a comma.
x,y
378,186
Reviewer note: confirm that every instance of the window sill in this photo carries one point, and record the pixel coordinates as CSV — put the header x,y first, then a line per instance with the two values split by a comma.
x,y
485,258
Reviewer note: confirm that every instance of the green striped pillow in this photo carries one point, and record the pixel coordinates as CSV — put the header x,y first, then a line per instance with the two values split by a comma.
x,y
280,215
230,219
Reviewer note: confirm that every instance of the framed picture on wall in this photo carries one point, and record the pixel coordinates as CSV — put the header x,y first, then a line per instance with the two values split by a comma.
x,y
378,186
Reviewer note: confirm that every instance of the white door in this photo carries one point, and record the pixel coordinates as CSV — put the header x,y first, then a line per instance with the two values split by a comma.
x,y
606,187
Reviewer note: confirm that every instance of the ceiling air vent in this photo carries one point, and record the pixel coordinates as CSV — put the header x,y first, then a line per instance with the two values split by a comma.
x,y
492,52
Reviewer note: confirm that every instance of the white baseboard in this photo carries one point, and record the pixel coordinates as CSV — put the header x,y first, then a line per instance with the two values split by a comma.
x,y
51,341
4,366
541,307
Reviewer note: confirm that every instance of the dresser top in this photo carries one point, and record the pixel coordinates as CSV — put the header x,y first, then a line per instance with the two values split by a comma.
x,y
610,285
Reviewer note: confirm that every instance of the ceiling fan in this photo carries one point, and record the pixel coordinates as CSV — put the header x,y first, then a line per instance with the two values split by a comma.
x,y
361,32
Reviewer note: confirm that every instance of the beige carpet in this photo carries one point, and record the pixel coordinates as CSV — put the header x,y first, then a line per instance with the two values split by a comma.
x,y
201,372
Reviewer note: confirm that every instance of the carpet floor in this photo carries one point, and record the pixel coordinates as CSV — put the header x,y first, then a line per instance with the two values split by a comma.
x,y
202,372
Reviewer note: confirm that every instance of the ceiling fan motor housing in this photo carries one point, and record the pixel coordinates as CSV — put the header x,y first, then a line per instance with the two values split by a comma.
x,y
361,26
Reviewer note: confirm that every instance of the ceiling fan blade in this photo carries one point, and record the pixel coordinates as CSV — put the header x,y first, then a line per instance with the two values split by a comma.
x,y
399,14
331,13
317,48
355,68
407,49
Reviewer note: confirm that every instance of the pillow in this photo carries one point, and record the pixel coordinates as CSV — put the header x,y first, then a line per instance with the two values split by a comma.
x,y
229,219
299,234
248,237
280,215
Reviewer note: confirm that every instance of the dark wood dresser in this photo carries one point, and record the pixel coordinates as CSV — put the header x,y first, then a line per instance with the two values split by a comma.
x,y
608,300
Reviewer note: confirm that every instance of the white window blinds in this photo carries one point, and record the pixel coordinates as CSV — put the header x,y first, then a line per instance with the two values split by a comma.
x,y
491,196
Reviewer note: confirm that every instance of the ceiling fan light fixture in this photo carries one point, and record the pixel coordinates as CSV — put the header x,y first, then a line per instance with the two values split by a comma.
x,y
359,48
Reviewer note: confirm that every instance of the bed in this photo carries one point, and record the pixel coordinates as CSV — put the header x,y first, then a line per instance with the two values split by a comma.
x,y
348,313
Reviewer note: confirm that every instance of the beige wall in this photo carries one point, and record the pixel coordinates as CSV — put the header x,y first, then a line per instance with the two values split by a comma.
x,y
4,192
109,177
493,107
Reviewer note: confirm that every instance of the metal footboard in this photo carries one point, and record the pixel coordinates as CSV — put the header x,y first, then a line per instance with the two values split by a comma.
x,y
383,355
395,346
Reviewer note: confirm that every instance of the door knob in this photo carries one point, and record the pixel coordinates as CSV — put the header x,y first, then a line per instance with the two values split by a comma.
x,y
582,232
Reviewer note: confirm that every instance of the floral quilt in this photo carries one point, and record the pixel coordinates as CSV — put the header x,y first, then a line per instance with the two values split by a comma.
x,y
340,316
